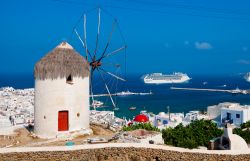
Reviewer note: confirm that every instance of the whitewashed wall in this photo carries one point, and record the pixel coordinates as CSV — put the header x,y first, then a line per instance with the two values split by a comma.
x,y
236,121
52,96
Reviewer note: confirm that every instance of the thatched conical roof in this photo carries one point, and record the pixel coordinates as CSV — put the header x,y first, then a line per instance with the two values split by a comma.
x,y
60,63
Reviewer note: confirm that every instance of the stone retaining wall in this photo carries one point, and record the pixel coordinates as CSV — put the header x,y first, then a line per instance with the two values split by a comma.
x,y
118,154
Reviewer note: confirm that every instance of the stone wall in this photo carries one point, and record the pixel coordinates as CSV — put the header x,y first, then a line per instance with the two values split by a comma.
x,y
118,154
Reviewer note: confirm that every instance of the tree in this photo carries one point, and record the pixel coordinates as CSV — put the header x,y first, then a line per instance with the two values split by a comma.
x,y
243,131
197,133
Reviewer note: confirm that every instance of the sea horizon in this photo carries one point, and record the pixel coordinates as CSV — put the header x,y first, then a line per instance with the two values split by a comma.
x,y
163,96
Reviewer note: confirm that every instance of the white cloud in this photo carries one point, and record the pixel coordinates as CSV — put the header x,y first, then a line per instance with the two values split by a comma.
x,y
203,45
243,61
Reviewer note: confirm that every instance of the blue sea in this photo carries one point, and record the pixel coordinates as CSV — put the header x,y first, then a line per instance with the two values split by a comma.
x,y
163,96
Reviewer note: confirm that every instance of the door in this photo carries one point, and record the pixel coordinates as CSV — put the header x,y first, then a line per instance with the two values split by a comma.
x,y
63,121
228,116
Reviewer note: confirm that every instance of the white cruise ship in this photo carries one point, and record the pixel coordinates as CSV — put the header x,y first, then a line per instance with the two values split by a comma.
x,y
247,77
159,78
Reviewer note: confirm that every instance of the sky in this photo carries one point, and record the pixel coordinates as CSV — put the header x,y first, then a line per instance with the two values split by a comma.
x,y
196,36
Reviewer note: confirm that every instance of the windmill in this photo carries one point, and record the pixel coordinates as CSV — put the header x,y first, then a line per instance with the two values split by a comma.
x,y
101,51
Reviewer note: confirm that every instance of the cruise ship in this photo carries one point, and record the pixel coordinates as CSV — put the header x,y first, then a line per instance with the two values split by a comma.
x,y
159,78
247,77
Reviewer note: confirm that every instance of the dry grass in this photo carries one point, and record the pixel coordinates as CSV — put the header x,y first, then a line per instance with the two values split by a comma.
x,y
23,137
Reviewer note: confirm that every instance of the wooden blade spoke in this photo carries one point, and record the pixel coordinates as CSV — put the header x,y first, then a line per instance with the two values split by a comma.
x,y
83,44
116,51
85,35
109,39
113,75
113,103
79,37
98,31
111,65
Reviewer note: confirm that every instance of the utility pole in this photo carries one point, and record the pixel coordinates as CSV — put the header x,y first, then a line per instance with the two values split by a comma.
x,y
168,112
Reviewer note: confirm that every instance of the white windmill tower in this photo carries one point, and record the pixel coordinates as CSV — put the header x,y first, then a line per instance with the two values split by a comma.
x,y
61,93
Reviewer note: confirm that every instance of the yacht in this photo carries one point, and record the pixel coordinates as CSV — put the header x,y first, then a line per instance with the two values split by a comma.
x,y
125,93
247,77
96,103
132,108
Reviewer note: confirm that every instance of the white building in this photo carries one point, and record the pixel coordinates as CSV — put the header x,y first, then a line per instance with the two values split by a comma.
x,y
162,120
61,93
235,114
192,116
214,111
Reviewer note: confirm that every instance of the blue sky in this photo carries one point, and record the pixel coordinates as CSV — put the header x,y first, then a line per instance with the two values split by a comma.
x,y
195,36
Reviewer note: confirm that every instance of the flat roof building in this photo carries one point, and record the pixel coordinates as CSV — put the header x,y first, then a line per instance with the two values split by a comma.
x,y
235,113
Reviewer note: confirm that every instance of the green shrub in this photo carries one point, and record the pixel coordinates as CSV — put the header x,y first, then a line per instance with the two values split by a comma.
x,y
197,133
243,131
146,126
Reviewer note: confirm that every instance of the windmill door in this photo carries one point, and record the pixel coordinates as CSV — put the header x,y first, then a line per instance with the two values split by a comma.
x,y
63,120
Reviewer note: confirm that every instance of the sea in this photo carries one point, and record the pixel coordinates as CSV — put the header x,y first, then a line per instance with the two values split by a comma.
x,y
162,97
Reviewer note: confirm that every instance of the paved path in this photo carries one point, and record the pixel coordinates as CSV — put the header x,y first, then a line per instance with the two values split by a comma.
x,y
136,145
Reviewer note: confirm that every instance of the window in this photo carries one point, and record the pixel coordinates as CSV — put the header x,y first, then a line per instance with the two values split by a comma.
x,y
237,116
69,80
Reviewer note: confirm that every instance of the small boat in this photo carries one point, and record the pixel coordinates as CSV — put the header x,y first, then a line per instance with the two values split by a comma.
x,y
132,108
204,83
96,103
116,109
125,93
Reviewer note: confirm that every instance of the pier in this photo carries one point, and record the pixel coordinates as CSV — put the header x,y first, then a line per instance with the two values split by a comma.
x,y
127,93
233,91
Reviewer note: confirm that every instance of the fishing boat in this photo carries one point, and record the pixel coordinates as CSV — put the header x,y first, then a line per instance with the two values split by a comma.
x,y
132,108
96,103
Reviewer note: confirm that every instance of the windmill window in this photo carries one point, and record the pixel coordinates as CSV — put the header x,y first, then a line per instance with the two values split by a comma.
x,y
69,80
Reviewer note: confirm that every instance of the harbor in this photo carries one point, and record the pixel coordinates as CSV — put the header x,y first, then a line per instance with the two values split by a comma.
x,y
100,81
